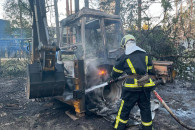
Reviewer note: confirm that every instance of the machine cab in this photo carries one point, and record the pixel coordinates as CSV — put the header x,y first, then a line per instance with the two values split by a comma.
x,y
91,34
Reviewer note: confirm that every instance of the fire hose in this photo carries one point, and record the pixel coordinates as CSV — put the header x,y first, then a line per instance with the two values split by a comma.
x,y
155,93
170,111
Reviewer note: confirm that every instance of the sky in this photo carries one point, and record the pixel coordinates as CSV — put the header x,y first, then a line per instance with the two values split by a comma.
x,y
1,9
155,10
61,8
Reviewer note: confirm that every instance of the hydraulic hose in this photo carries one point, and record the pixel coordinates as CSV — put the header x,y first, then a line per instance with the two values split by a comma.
x,y
171,113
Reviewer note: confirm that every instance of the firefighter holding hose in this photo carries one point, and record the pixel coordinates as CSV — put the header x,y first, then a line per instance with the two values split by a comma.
x,y
136,63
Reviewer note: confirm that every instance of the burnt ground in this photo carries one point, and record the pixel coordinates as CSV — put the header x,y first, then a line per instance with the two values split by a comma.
x,y
19,113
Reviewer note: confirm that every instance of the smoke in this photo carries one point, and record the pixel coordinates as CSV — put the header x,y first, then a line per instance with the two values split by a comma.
x,y
91,70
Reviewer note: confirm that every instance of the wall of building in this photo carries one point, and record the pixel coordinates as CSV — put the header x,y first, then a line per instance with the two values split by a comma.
x,y
10,46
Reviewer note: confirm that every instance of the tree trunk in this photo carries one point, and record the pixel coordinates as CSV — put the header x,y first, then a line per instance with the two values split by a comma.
x,y
117,7
57,22
70,6
191,8
76,5
117,26
67,8
139,14
21,23
176,7
67,14
87,3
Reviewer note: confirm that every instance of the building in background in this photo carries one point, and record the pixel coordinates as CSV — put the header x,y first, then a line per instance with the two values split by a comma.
x,y
11,45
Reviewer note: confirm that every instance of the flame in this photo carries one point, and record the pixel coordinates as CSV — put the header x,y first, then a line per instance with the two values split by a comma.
x,y
102,72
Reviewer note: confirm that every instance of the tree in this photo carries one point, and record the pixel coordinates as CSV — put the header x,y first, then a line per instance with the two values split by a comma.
x,y
133,13
162,40
18,13
108,6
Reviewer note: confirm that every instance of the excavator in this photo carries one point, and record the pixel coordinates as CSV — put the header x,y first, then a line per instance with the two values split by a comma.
x,y
89,45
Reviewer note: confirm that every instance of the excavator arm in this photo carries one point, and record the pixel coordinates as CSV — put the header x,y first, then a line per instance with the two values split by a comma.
x,y
45,77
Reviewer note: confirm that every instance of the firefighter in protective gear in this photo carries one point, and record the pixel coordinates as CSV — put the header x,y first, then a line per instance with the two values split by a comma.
x,y
133,62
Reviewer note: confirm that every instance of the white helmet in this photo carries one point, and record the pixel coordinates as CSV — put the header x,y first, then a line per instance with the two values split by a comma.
x,y
128,42
127,38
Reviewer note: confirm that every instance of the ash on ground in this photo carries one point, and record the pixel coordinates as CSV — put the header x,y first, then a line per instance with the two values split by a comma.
x,y
18,112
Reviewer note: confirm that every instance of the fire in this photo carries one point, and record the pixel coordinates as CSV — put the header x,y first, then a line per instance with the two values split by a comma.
x,y
102,72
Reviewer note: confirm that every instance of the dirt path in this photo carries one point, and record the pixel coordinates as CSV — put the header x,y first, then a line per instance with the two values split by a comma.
x,y
19,113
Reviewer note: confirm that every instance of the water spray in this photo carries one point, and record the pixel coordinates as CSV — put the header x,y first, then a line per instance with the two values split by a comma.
x,y
96,87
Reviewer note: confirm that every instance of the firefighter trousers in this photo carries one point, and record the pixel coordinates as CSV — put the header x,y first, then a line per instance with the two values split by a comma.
x,y
129,99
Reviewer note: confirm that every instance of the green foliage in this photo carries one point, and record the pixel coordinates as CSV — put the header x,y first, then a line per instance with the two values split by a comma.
x,y
106,6
185,65
166,4
161,46
163,40
17,12
13,68
155,42
129,12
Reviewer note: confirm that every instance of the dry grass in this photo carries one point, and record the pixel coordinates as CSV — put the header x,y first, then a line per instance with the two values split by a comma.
x,y
13,67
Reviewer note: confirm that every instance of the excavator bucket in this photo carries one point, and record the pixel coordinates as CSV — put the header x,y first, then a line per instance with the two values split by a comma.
x,y
45,83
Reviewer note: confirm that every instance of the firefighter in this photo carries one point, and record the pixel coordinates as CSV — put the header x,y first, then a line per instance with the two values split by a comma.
x,y
136,63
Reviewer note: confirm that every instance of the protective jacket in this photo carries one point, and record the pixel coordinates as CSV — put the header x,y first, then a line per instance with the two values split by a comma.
x,y
136,63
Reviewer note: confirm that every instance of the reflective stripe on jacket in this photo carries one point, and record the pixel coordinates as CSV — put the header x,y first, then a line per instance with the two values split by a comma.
x,y
135,63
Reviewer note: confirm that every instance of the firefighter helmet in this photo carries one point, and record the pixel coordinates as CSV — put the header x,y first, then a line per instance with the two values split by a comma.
x,y
125,39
